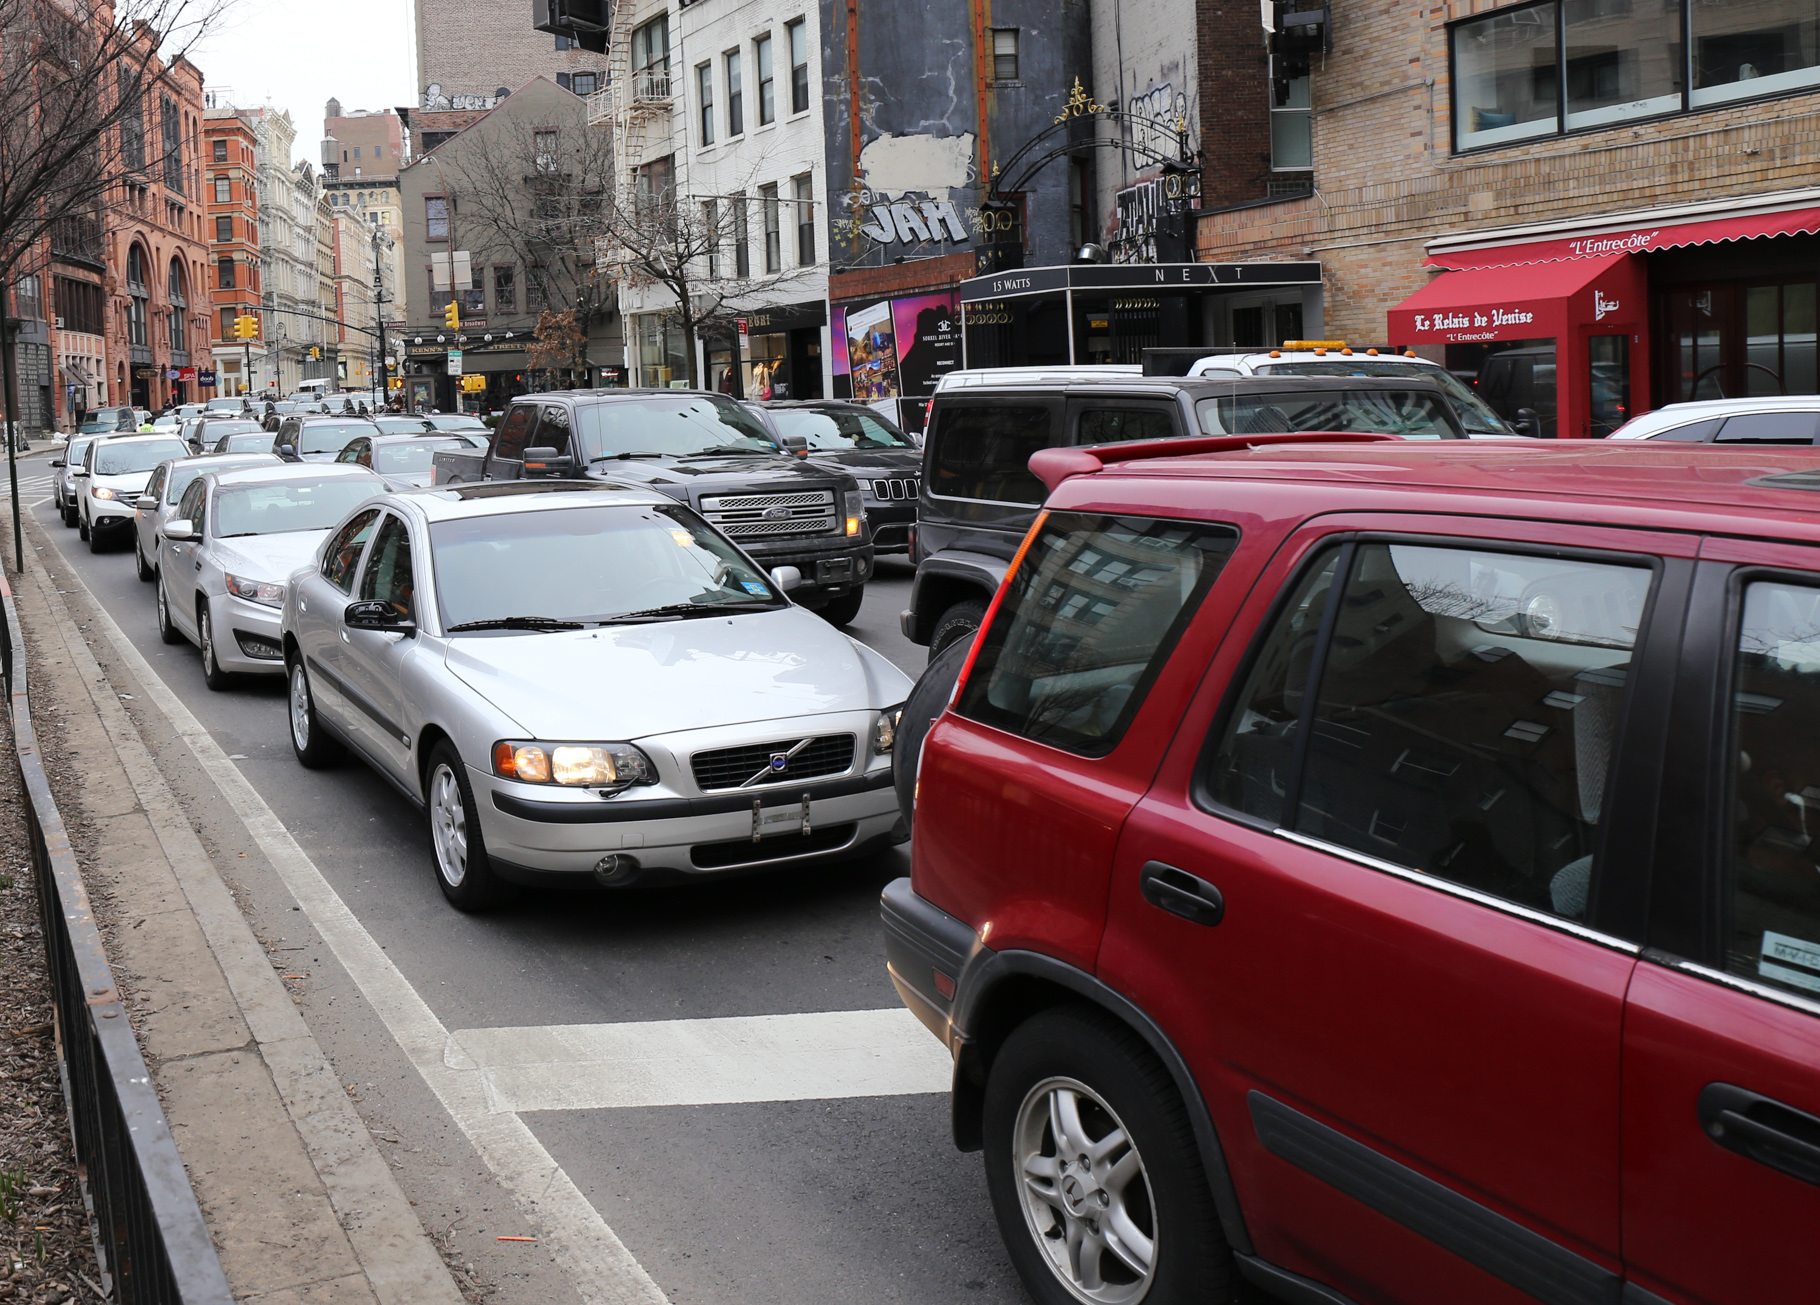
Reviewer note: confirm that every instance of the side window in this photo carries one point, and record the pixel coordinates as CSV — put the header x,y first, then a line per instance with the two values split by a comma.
x,y
342,553
982,451
1695,432
190,509
1086,624
513,430
1768,428
155,486
388,571
1109,425
553,430
1772,931
1464,720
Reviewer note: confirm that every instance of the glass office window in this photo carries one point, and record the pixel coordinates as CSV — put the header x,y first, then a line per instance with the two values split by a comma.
x,y
1754,47
1623,59
1505,80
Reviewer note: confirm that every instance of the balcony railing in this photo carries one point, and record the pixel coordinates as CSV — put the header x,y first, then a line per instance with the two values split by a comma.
x,y
651,86
600,108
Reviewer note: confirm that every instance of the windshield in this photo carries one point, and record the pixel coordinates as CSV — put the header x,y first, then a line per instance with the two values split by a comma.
x,y
839,430
78,449
331,436
255,441
120,459
587,564
457,421
671,426
1474,413
294,505
407,456
1408,413
182,473
218,427
402,425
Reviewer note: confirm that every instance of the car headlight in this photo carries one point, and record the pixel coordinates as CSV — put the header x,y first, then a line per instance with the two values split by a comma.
x,y
884,729
856,510
582,765
102,491
255,591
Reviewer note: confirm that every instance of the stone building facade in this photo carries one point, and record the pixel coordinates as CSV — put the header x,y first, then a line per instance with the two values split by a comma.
x,y
231,185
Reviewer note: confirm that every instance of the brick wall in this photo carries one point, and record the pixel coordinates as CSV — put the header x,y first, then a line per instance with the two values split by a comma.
x,y
921,277
1234,91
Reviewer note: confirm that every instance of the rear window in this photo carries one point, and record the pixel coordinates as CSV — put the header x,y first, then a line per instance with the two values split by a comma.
x,y
412,456
1087,622
839,429
331,436
215,429
982,451
123,459
1474,413
1769,428
1411,414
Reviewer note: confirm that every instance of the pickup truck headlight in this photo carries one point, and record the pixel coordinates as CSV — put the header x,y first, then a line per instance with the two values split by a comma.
x,y
581,765
255,591
884,729
855,502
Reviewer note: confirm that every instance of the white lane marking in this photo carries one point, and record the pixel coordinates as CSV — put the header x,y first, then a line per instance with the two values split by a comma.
x,y
603,1271
40,503
861,1053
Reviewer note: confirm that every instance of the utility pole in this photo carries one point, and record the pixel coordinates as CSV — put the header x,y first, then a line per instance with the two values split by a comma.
x,y
385,369
8,325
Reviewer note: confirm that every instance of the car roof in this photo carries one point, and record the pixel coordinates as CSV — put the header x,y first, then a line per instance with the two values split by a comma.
x,y
141,436
1671,415
411,436
1771,492
229,461
606,393
288,473
1265,357
507,497
339,418
1205,387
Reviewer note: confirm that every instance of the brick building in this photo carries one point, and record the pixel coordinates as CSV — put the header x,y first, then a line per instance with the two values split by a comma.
x,y
1593,207
230,180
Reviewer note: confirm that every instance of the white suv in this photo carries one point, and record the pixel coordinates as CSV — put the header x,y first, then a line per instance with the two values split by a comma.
x,y
112,476
1778,419
1476,416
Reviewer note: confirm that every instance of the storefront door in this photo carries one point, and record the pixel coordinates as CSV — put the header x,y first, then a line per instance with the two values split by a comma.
x,y
1733,339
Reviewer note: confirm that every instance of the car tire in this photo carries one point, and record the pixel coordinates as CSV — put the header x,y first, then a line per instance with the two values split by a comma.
x,y
457,848
958,622
212,674
94,540
315,747
82,530
143,567
841,611
168,632
1086,1070
928,699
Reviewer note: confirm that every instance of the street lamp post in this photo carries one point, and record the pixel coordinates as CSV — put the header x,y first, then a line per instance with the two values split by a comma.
x,y
385,370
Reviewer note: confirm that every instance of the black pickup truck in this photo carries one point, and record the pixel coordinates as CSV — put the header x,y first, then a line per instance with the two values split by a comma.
x,y
703,450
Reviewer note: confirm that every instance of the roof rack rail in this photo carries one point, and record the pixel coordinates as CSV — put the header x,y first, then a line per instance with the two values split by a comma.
x,y
1053,466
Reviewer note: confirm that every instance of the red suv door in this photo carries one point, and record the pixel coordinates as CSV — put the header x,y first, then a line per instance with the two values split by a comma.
x,y
1722,1027
1406,1018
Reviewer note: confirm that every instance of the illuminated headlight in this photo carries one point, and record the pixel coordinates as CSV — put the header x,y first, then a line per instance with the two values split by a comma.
x,y
884,729
102,491
856,510
255,591
582,765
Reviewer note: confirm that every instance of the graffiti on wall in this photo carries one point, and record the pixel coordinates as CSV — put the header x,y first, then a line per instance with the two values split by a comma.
x,y
905,195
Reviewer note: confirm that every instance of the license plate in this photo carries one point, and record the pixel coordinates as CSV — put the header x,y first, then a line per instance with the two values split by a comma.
x,y
769,822
834,571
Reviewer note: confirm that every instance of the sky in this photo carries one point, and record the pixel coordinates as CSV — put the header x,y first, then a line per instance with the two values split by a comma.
x,y
298,55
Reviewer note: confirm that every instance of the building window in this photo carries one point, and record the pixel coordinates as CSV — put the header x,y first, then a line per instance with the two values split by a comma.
x,y
172,128
136,292
1291,121
474,298
704,91
224,190
224,273
543,143
132,120
505,289
585,83
710,225
80,304
767,85
179,332
742,254
774,248
220,151
799,66
27,301
805,219
736,96
431,139
564,43
1080,193
1004,54
435,217
651,44
535,299
227,323
224,227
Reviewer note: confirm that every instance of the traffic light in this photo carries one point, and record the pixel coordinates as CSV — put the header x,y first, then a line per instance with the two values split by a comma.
x,y
315,353
246,327
451,316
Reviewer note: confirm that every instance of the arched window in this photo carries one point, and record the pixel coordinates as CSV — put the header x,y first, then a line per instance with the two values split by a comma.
x,y
137,293
179,305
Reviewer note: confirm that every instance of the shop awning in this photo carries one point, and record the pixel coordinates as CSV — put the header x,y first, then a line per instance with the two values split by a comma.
x,y
1605,238
1524,302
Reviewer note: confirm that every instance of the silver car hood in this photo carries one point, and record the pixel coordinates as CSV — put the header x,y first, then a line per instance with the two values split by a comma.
x,y
267,557
634,681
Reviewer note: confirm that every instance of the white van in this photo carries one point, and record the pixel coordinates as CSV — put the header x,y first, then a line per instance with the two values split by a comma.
x,y
1476,416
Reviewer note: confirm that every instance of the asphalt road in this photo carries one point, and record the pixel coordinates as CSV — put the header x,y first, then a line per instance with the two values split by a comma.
x,y
859,1198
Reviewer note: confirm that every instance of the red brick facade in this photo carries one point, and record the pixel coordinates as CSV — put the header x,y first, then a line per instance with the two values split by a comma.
x,y
228,142
1234,92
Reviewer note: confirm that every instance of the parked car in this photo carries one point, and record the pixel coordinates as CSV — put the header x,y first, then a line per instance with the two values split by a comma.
x,y
700,449
403,461
318,439
1372,871
213,433
457,421
853,438
767,743
1781,419
403,425
154,506
257,440
979,495
227,551
109,421
109,481
63,476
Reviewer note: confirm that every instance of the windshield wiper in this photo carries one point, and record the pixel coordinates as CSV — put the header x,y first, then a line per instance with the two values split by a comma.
x,y
621,457
721,450
685,610
518,623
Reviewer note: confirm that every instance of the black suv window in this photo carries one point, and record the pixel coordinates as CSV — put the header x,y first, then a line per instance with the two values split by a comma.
x,y
513,430
553,429
1773,880
1088,620
1110,425
1466,710
982,451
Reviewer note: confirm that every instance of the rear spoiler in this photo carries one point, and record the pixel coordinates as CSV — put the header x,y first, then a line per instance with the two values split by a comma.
x,y
1053,466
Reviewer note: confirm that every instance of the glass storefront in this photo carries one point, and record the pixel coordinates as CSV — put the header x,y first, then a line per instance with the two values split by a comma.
x,y
662,357
1728,340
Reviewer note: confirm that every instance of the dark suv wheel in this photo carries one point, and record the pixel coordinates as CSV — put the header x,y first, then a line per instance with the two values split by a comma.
x,y
1091,1165
842,610
958,622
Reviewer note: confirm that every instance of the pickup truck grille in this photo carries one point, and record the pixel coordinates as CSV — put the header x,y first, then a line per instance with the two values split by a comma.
x,y
898,490
724,768
770,516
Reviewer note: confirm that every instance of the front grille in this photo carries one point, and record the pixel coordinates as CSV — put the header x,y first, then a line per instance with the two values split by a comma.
x,y
724,768
902,490
754,516
779,847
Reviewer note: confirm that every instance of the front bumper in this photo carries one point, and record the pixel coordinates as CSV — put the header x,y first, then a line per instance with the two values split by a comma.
x,y
249,639
830,564
109,514
891,524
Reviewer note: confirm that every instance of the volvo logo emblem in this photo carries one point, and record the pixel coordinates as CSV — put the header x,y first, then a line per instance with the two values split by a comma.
x,y
777,514
779,760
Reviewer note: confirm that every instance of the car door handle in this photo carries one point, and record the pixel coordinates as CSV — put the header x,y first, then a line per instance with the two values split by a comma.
x,y
1181,893
1762,1129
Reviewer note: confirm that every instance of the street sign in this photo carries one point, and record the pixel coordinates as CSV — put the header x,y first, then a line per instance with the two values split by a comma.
x,y
454,362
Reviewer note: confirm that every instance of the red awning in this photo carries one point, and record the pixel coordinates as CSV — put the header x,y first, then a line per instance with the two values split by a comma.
x,y
1637,240
1526,302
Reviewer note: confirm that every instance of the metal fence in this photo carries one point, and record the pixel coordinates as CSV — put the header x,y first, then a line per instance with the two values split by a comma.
x,y
153,1246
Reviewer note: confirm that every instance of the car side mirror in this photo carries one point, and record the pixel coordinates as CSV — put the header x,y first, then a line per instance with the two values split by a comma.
x,y
178,530
796,445
79,471
786,578
146,503
547,462
373,614
288,452
1528,423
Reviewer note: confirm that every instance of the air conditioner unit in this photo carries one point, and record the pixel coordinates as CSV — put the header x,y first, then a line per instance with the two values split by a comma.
x,y
59,323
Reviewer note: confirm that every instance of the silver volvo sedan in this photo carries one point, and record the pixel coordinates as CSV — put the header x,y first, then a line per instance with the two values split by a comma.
x,y
586,686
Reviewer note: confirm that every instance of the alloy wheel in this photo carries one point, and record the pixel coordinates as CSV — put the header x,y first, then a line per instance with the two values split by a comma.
x,y
448,825
300,707
209,666
1085,1193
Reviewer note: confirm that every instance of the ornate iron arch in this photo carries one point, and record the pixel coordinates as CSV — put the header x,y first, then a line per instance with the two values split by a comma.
x,y
1013,174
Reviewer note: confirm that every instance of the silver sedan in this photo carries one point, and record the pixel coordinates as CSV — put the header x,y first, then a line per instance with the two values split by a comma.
x,y
166,487
587,687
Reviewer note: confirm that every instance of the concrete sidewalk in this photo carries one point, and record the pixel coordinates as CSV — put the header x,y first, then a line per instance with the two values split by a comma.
x,y
302,1207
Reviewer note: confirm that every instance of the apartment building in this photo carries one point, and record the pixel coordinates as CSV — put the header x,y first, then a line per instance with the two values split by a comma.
x,y
230,181
362,153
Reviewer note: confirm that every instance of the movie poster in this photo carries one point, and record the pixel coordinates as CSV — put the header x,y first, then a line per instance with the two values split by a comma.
x,y
896,349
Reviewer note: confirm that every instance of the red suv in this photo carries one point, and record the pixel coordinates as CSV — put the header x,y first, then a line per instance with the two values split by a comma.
x,y
1384,873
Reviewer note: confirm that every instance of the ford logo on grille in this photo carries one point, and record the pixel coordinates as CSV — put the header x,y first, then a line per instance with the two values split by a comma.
x,y
779,760
777,514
